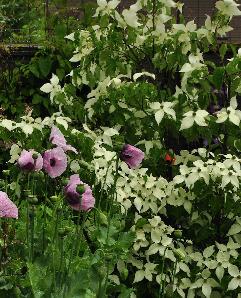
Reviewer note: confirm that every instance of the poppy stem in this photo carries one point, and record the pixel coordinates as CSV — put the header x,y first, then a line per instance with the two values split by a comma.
x,y
161,293
112,198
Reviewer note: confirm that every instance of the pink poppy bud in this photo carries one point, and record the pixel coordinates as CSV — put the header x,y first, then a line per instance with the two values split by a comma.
x,y
132,156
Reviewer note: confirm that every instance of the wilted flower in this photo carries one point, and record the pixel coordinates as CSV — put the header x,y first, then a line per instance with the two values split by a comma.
x,y
58,139
55,162
30,161
132,156
7,207
79,199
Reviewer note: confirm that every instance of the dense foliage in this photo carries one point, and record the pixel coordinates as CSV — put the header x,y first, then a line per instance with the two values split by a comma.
x,y
131,186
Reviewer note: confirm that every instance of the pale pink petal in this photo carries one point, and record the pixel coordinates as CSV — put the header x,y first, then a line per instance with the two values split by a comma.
x,y
26,161
88,201
38,163
7,207
77,201
58,139
132,156
55,162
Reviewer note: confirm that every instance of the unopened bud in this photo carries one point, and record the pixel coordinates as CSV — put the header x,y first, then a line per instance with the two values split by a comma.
x,y
103,219
54,199
35,155
178,234
179,254
124,274
80,189
6,173
64,231
32,199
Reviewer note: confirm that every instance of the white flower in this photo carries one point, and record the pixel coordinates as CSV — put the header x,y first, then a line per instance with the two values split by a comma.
x,y
194,63
140,240
199,171
185,171
106,7
236,280
231,113
205,282
228,8
146,272
53,87
162,108
191,117
131,18
229,176
232,161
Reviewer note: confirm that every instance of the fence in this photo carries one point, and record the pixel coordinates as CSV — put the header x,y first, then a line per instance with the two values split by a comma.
x,y
35,26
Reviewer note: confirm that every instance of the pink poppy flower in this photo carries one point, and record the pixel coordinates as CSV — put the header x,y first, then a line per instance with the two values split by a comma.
x,y
77,201
132,156
58,139
30,161
55,162
7,207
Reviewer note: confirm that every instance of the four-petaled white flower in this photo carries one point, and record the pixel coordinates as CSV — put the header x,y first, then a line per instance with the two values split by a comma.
x,y
235,282
105,7
231,113
146,272
140,240
229,176
163,108
53,87
228,8
192,117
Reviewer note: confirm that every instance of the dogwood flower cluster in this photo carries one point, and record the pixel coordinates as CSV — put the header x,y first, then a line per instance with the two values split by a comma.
x,y
152,195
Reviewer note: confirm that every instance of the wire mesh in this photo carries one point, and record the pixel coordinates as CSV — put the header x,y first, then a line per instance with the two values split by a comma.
x,y
34,25
198,9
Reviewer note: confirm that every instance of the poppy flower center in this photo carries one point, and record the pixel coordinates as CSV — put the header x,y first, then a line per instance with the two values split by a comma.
x,y
29,166
52,162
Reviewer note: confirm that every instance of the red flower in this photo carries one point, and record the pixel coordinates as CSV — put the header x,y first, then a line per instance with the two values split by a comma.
x,y
170,159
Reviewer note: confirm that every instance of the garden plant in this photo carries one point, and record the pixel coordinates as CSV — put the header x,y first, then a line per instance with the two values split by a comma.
x,y
131,187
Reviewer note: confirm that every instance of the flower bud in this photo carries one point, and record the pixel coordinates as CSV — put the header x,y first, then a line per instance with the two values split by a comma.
x,y
80,188
2,183
64,231
124,274
32,199
54,199
179,254
103,219
6,173
35,155
177,234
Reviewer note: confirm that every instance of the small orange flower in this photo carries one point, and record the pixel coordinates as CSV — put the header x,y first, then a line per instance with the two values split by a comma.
x,y
170,159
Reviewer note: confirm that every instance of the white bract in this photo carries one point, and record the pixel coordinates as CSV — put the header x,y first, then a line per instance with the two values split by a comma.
x,y
228,8
163,108
105,7
192,117
231,113
53,87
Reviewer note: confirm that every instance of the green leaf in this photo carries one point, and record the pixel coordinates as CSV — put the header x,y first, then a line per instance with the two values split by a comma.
x,y
237,144
218,76
126,240
34,69
223,50
45,64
